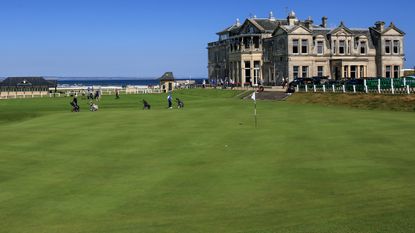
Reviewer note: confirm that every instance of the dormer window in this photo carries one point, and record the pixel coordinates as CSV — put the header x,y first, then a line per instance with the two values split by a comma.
x,y
295,47
396,46
304,46
363,47
224,37
320,47
388,46
342,47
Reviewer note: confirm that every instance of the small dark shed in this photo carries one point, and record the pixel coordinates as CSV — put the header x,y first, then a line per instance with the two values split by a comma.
x,y
167,82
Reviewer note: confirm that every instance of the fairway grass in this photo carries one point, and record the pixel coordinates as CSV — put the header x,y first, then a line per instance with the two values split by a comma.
x,y
205,168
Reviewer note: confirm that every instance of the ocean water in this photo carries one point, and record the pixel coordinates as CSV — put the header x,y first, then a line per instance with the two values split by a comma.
x,y
114,82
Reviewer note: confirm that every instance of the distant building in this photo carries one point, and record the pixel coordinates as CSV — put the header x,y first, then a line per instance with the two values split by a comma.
x,y
16,87
269,50
409,72
167,82
25,84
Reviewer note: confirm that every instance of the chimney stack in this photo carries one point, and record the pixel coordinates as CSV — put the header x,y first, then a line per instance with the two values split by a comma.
x,y
292,18
324,22
238,22
380,26
309,23
271,16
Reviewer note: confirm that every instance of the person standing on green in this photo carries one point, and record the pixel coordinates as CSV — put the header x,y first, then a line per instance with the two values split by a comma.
x,y
170,101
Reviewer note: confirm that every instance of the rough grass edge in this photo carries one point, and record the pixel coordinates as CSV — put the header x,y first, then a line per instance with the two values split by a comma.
x,y
403,103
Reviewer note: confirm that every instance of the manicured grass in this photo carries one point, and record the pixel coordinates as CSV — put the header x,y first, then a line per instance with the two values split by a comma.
x,y
307,168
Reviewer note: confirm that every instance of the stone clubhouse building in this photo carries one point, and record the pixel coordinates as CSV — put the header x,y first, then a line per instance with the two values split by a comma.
x,y
270,50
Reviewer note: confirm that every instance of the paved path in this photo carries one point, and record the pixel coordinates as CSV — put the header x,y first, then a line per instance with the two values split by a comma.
x,y
272,95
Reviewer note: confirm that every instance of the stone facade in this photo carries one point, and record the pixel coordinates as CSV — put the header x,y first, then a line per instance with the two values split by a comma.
x,y
268,51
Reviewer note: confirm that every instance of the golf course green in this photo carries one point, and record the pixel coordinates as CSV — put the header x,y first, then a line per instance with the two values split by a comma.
x,y
205,168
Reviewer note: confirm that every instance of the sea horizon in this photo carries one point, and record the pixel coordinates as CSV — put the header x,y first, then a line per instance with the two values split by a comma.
x,y
118,78
70,78
114,81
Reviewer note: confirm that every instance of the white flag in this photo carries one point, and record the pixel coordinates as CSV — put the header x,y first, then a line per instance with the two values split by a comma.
x,y
253,96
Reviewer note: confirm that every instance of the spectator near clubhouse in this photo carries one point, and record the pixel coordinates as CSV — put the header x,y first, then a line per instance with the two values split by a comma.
x,y
167,82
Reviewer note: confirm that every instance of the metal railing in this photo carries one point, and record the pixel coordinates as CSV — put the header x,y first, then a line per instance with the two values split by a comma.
x,y
377,86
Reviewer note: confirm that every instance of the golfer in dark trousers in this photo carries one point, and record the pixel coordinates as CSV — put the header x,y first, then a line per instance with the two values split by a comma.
x,y
170,100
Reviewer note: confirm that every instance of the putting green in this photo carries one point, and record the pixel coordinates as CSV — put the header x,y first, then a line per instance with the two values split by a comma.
x,y
205,168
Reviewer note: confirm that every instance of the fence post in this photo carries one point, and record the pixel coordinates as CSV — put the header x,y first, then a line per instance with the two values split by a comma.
x,y
379,86
334,88
408,90
298,89
314,88
365,83
404,82
354,89
306,88
344,89
392,87
324,88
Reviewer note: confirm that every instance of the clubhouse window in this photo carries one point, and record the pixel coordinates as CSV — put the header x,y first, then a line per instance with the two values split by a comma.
x,y
320,47
256,42
320,71
295,71
304,46
346,72
247,42
388,46
305,72
363,47
349,45
396,46
396,71
388,72
295,46
362,71
353,71
334,47
342,47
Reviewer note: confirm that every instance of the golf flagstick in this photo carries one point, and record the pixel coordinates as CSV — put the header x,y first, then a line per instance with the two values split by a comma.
x,y
256,120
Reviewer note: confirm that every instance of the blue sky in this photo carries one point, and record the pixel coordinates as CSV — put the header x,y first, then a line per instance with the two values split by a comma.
x,y
132,38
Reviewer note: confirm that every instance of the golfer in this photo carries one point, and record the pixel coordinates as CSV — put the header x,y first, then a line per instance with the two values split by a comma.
x,y
170,101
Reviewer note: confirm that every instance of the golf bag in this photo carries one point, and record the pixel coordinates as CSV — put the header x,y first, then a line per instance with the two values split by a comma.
x,y
180,103
147,106
75,107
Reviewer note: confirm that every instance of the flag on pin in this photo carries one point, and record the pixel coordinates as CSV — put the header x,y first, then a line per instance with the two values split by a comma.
x,y
253,97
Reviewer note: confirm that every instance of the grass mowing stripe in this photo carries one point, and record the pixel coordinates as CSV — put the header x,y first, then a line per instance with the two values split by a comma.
x,y
205,168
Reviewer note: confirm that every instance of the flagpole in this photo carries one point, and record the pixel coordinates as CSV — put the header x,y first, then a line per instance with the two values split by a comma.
x,y
253,97
256,120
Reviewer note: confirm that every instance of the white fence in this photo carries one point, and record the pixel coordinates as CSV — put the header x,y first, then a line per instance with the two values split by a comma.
x,y
80,91
378,86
